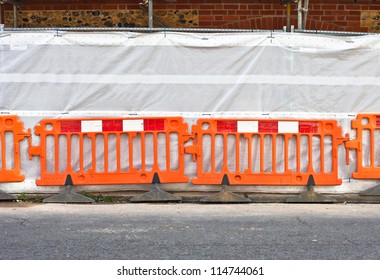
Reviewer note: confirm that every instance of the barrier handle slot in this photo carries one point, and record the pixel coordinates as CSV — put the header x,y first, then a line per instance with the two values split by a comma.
x,y
351,145
193,150
33,151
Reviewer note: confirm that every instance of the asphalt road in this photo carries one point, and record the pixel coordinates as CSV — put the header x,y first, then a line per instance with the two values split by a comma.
x,y
189,231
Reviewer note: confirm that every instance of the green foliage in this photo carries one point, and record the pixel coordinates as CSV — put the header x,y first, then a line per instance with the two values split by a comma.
x,y
99,198
38,199
22,197
108,199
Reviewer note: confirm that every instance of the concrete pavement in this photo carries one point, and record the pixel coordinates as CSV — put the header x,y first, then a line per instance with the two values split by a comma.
x,y
189,231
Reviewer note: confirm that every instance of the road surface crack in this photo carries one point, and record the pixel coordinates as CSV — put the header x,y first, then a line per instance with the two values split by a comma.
x,y
23,221
304,222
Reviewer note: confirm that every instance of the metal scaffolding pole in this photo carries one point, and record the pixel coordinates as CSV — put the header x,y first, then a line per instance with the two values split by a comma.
x,y
150,14
1,16
305,10
14,16
288,17
300,11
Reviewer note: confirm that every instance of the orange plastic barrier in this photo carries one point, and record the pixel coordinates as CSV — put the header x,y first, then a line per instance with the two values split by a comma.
x,y
111,151
367,145
266,152
11,133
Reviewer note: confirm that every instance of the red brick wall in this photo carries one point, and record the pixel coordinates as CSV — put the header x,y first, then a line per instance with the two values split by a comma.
x,y
341,15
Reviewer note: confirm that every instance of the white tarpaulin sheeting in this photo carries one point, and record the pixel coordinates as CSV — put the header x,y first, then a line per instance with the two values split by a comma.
x,y
258,75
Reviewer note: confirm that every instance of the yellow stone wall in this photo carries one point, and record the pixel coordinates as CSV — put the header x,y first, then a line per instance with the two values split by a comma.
x,y
371,19
102,18
174,18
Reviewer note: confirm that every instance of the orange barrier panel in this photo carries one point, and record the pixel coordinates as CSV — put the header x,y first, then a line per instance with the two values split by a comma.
x,y
11,133
367,128
111,151
266,152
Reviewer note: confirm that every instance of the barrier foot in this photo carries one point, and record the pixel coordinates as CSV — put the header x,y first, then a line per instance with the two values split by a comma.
x,y
6,197
156,195
310,196
69,196
225,196
372,191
